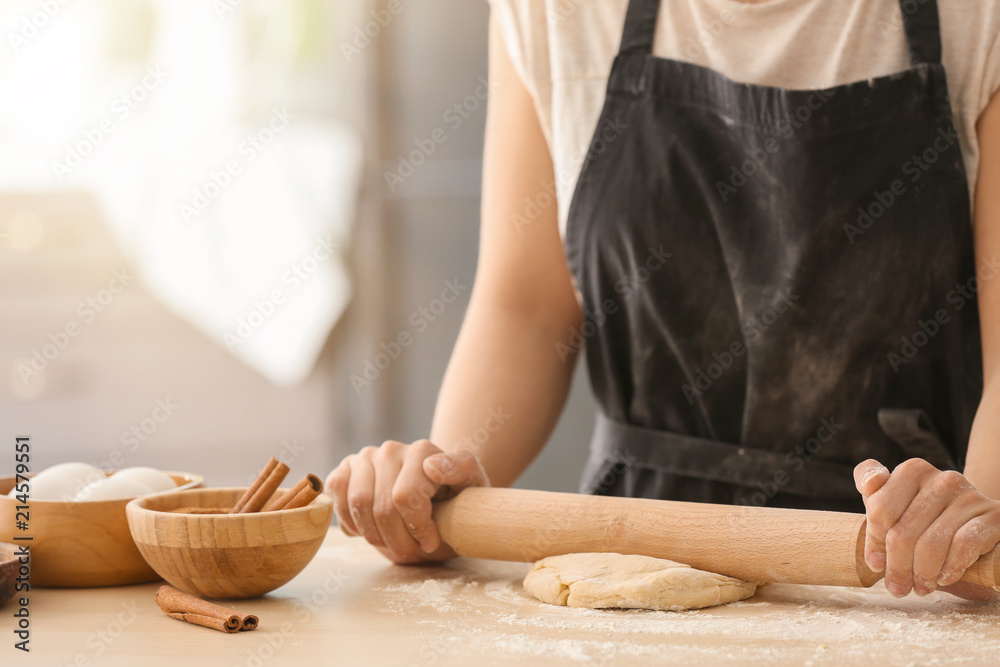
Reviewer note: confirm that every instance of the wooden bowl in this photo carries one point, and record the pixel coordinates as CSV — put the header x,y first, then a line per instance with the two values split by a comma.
x,y
225,556
8,571
81,544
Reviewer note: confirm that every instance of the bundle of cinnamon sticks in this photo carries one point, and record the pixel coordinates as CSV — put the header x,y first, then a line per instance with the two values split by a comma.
x,y
191,609
262,495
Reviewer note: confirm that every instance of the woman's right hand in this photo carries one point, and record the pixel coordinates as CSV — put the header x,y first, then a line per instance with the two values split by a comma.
x,y
384,494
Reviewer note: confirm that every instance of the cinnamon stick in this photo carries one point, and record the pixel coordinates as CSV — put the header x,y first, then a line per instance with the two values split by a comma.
x,y
266,490
205,621
249,622
191,609
300,495
257,483
273,503
306,495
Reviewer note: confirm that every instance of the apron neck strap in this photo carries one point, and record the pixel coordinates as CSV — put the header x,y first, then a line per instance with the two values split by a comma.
x,y
640,25
923,31
920,21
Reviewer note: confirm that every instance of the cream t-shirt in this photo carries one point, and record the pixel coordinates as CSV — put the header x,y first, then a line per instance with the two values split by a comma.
x,y
563,50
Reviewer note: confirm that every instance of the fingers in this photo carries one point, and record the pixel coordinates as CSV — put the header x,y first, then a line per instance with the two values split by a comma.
x,y
388,461
425,474
925,526
457,470
869,476
361,495
385,494
931,519
336,488
412,495
886,505
931,549
973,539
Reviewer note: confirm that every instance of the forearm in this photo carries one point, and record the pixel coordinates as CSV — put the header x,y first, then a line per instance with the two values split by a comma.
x,y
505,386
983,460
982,467
506,383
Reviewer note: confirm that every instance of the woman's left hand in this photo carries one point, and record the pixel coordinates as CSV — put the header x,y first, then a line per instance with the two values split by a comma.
x,y
926,527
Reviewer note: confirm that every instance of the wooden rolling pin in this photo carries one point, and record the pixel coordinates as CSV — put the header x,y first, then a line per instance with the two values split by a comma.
x,y
762,544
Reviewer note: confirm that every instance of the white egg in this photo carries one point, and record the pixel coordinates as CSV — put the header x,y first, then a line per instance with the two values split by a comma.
x,y
113,489
52,487
154,479
63,481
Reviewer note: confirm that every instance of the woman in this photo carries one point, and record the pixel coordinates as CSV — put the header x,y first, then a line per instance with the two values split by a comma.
x,y
769,252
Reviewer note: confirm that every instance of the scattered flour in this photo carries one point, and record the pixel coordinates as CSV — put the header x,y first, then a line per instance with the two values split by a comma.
x,y
484,614
438,594
504,591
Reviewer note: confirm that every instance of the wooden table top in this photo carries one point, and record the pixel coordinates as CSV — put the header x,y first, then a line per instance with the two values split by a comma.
x,y
350,606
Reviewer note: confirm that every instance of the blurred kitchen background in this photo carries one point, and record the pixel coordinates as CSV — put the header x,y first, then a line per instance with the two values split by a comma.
x,y
201,256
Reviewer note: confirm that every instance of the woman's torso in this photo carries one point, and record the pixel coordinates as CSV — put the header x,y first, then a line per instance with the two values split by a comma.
x,y
564,49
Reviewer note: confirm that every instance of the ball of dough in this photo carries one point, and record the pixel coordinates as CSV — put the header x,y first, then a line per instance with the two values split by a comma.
x,y
611,580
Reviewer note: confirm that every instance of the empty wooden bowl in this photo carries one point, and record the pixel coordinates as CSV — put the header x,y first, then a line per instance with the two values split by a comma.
x,y
225,556
8,572
81,544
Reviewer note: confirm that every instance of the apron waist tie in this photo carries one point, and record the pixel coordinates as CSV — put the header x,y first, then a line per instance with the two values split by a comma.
x,y
617,443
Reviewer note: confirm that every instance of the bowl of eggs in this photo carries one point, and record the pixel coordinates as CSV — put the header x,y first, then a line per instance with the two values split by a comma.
x,y
78,525
9,565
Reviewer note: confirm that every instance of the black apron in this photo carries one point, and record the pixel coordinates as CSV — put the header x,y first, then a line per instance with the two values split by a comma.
x,y
771,279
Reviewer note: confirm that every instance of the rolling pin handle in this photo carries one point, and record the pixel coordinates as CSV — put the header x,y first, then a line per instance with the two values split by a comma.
x,y
985,570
